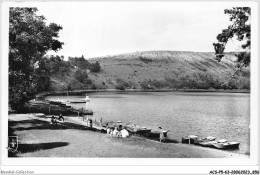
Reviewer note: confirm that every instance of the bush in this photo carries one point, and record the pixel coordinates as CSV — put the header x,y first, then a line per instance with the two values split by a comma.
x,y
120,87
145,60
95,67
81,76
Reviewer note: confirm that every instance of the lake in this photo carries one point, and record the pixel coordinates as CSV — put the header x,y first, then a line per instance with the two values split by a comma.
x,y
222,115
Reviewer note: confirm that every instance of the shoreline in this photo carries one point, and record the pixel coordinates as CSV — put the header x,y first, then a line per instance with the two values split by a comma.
x,y
37,141
80,92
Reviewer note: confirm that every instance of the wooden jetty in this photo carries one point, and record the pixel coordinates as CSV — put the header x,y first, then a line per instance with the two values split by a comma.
x,y
53,108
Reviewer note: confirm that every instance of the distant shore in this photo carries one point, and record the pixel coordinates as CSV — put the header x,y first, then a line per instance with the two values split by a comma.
x,y
80,92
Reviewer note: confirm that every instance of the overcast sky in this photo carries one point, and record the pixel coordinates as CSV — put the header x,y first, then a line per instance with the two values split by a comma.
x,y
106,28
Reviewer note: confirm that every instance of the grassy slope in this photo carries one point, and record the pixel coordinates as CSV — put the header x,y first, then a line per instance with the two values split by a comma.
x,y
169,68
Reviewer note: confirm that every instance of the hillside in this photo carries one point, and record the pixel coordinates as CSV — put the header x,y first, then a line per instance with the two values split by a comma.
x,y
158,70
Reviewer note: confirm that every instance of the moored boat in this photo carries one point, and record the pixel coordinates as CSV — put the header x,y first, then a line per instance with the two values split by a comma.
x,y
207,143
112,125
189,139
86,99
205,139
78,101
137,129
155,133
55,102
226,145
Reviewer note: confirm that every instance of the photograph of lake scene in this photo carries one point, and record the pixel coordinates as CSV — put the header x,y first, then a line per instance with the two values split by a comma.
x,y
121,79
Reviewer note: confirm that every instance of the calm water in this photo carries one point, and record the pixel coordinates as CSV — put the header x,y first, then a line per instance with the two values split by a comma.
x,y
223,115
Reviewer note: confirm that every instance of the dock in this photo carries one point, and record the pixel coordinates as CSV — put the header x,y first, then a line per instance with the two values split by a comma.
x,y
53,108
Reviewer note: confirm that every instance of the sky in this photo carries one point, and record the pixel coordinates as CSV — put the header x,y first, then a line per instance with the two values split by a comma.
x,y
101,28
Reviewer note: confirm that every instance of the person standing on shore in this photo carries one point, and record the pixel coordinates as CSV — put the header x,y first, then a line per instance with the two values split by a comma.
x,y
100,121
90,123
161,137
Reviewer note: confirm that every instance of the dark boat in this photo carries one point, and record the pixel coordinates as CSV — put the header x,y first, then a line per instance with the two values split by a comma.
x,y
55,102
155,133
189,139
112,125
77,101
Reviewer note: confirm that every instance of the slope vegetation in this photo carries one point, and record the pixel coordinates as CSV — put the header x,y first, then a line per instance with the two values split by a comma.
x,y
159,70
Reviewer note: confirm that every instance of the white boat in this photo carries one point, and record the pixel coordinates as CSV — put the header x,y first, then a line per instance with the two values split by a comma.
x,y
226,145
87,98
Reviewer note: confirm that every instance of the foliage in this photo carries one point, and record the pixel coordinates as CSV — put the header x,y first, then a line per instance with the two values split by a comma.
x,y
120,87
79,62
42,76
29,39
82,63
57,65
145,60
81,76
145,85
241,28
95,67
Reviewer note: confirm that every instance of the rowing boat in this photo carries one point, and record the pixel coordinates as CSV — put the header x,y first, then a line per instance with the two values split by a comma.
x,y
227,145
137,129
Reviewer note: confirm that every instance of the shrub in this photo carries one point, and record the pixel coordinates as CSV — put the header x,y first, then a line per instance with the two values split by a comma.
x,y
145,60
81,76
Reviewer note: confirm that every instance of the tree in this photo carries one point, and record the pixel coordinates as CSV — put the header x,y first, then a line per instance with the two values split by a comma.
x,y
241,29
95,67
81,76
29,40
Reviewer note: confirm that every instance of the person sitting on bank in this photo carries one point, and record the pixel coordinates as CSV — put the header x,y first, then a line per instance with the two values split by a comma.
x,y
53,120
115,132
108,129
111,131
124,133
61,118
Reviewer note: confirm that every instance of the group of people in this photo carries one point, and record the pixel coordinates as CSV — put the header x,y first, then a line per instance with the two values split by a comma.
x,y
117,131
55,120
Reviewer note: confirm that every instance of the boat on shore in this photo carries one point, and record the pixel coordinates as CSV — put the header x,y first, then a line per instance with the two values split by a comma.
x,y
112,124
138,129
56,102
227,145
210,142
79,101
189,139
207,143
155,133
